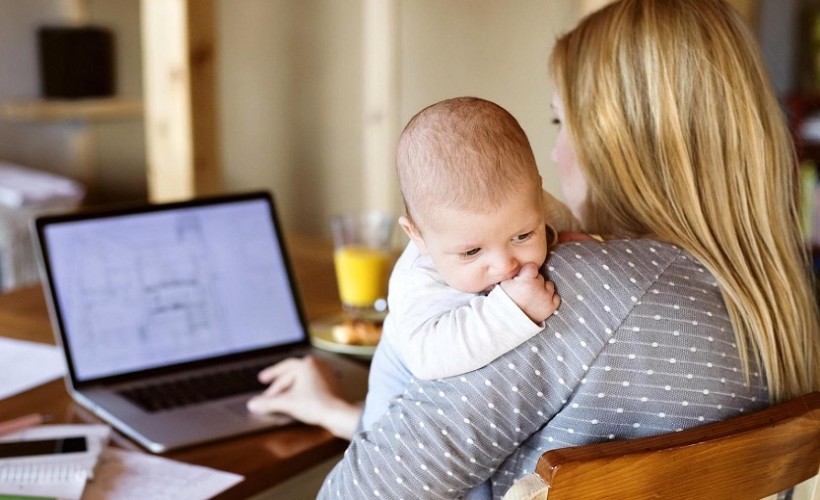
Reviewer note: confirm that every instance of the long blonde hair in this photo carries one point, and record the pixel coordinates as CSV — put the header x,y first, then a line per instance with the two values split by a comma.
x,y
680,137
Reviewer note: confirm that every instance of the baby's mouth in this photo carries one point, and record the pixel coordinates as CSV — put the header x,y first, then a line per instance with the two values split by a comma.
x,y
490,288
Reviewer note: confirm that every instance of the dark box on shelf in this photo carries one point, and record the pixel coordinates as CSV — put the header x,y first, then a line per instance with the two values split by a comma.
x,y
76,62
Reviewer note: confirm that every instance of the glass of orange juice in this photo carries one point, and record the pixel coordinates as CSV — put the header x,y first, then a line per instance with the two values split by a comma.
x,y
362,259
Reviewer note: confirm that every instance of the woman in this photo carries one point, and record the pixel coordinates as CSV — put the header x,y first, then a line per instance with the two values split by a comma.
x,y
698,308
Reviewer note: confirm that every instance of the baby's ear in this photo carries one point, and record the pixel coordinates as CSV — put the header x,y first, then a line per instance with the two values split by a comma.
x,y
412,232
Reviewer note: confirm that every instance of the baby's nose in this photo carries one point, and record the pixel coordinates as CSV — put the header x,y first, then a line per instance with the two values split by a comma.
x,y
505,265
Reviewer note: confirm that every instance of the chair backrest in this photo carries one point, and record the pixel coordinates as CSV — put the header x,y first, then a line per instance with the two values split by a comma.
x,y
752,456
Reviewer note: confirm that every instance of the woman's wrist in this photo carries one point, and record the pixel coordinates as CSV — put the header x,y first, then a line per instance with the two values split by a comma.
x,y
340,418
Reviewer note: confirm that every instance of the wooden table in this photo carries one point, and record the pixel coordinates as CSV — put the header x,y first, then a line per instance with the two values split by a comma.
x,y
265,459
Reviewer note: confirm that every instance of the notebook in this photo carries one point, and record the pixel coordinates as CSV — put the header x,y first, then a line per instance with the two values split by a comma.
x,y
167,312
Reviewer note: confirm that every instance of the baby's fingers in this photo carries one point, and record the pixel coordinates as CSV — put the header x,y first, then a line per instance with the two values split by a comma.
x,y
549,287
528,271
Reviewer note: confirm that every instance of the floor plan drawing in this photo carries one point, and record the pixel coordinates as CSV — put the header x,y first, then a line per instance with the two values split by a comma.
x,y
170,287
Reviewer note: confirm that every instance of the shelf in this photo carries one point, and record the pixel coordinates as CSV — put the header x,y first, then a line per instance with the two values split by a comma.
x,y
98,109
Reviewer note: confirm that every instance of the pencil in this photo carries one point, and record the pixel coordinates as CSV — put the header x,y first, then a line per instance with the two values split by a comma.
x,y
20,423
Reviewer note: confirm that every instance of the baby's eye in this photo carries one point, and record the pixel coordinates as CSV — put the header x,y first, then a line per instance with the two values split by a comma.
x,y
471,253
523,237
556,121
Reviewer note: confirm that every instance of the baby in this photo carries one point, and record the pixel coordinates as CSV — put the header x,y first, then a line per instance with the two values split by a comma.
x,y
468,287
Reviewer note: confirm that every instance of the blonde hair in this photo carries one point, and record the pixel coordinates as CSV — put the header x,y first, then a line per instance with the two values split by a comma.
x,y
680,137
465,153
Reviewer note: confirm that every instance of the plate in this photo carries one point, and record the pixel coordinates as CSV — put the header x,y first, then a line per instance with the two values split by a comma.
x,y
321,337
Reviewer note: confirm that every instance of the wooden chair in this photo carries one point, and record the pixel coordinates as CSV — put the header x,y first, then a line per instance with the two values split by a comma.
x,y
748,457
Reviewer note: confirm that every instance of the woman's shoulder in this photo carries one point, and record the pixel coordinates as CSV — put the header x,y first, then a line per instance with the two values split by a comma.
x,y
639,251
622,267
617,257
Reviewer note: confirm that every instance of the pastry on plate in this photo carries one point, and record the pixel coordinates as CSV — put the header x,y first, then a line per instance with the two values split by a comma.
x,y
357,332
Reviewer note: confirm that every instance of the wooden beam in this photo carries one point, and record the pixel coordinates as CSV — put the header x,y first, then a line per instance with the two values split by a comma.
x,y
109,108
380,98
179,81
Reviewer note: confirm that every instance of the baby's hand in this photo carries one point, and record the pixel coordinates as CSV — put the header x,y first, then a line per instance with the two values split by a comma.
x,y
532,293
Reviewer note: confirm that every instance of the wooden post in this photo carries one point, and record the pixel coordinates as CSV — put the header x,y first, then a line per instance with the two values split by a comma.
x,y
179,59
381,96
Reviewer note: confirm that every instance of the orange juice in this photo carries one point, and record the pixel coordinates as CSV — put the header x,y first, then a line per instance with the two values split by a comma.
x,y
362,275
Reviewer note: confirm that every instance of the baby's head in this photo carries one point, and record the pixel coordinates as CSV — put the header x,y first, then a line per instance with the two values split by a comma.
x,y
472,192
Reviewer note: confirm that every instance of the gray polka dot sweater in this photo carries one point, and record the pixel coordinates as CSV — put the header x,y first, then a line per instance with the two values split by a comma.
x,y
641,345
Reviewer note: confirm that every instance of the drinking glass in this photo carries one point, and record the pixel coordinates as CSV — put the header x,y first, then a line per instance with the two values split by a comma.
x,y
362,259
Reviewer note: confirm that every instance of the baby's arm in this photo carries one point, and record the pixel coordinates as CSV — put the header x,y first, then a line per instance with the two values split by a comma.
x,y
442,332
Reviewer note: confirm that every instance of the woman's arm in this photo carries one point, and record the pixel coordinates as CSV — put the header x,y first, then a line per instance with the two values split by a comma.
x,y
440,438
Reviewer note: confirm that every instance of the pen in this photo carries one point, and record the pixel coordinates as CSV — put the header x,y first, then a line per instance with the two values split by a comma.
x,y
20,423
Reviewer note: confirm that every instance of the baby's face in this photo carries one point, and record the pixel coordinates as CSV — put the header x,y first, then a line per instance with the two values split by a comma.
x,y
476,251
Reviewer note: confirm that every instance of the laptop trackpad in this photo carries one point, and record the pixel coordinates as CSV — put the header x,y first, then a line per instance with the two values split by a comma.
x,y
239,408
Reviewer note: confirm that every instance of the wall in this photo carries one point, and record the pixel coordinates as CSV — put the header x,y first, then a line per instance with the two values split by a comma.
x,y
119,146
291,84
290,74
290,80
779,45
494,50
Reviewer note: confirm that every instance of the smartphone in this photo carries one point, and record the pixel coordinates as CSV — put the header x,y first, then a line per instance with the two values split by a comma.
x,y
13,449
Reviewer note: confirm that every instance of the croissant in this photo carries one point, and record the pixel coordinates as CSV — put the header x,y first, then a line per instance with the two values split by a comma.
x,y
357,332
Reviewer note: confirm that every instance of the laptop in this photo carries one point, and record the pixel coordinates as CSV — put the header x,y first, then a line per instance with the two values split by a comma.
x,y
167,312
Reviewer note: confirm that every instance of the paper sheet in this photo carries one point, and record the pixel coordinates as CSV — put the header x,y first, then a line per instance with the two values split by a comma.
x,y
25,365
127,475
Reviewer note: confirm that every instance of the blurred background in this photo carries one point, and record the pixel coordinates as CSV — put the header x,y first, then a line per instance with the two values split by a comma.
x,y
303,98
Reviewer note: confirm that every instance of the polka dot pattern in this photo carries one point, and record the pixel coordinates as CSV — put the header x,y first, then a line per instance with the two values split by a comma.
x,y
658,358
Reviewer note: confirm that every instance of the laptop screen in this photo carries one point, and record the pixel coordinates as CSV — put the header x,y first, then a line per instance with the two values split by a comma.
x,y
144,290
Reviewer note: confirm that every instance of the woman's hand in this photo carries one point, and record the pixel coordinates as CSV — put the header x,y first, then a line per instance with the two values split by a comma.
x,y
307,390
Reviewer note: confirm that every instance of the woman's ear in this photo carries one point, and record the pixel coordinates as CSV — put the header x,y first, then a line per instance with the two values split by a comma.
x,y
412,232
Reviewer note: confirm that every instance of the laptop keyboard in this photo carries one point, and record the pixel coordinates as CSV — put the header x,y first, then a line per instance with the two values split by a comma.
x,y
197,389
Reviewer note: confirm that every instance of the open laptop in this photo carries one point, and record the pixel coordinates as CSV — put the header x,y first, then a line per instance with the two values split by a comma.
x,y
167,312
